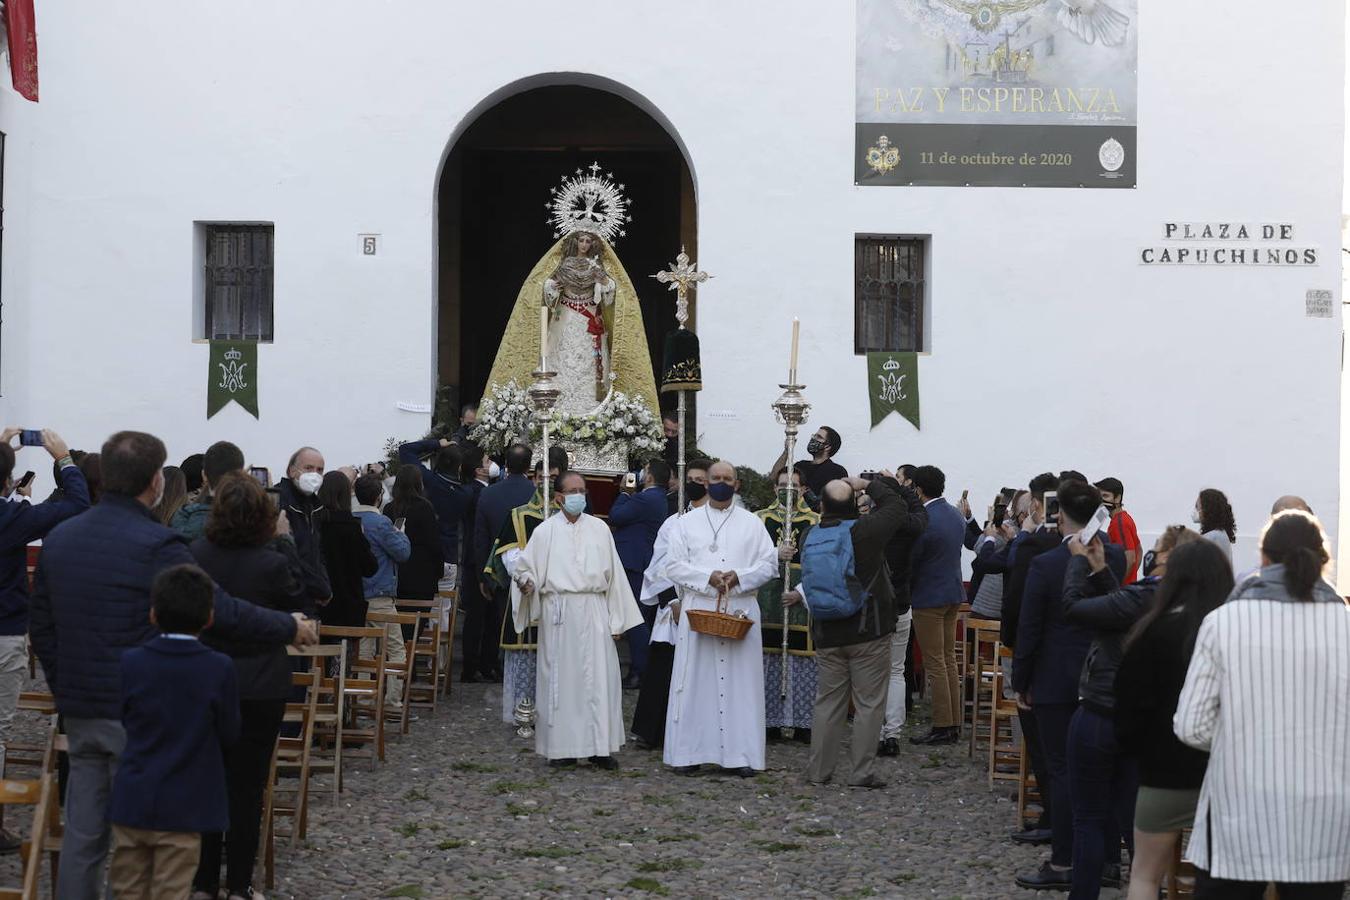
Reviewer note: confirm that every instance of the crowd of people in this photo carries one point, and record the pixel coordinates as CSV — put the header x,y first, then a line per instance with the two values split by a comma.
x,y
1155,691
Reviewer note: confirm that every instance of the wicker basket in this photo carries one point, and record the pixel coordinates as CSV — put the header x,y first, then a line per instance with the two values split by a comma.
x,y
719,624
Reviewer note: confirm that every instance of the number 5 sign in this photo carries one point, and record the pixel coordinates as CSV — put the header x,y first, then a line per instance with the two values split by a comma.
x,y
370,244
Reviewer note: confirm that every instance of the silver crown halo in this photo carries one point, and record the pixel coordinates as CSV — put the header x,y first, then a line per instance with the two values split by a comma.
x,y
591,203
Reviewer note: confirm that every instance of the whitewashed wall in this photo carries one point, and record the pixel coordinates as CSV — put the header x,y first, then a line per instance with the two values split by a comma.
x,y
1051,346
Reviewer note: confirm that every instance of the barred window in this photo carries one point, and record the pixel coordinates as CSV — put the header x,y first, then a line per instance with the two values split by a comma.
x,y
888,293
238,282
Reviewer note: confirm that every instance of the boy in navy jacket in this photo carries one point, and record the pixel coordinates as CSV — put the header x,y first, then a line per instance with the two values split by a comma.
x,y
180,705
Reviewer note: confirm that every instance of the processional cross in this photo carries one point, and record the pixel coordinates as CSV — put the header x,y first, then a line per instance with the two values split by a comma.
x,y
683,277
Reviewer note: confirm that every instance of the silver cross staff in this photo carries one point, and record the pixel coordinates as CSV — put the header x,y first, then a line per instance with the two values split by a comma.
x,y
683,277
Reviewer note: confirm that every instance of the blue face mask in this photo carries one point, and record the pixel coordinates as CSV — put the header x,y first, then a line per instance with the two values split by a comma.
x,y
721,492
574,504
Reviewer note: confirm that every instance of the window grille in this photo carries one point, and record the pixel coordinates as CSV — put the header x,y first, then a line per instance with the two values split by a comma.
x,y
888,294
238,282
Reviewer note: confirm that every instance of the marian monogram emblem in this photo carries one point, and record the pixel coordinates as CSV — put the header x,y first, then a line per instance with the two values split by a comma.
x,y
892,388
883,157
232,372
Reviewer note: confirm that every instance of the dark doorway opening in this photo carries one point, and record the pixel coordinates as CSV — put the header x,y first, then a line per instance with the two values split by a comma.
x,y
493,222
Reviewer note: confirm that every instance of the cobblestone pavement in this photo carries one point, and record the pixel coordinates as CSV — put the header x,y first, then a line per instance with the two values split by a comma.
x,y
464,808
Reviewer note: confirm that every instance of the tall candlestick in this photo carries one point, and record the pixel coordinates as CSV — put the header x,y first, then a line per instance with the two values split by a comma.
x,y
543,336
792,366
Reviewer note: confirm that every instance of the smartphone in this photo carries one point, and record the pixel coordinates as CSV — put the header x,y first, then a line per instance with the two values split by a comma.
x,y
261,475
1100,521
30,437
1051,508
399,522
965,496
630,480
1000,512
1008,494
274,494
867,476
26,480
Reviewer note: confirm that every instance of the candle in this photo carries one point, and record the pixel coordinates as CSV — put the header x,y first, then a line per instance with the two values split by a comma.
x,y
792,366
543,336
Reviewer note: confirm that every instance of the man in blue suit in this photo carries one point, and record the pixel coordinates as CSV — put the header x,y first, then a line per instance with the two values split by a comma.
x,y
1047,662
635,519
936,593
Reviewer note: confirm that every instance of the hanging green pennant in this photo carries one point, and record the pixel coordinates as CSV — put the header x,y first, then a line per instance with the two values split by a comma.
x,y
232,375
893,385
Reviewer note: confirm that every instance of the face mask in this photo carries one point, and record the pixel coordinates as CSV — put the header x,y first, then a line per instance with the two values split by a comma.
x,y
494,471
814,447
574,504
1149,564
783,496
309,482
1195,516
695,491
721,492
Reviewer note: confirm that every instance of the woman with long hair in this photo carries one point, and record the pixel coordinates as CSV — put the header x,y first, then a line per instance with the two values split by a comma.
x,y
1215,518
346,554
238,551
419,577
1196,578
1268,695
175,495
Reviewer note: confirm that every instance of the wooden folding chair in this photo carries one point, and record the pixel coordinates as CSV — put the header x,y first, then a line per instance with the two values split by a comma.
x,y
19,754
404,670
450,602
329,663
983,639
424,685
41,795
362,691
1006,749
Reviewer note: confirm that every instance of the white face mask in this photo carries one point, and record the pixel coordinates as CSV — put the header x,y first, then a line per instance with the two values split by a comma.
x,y
309,482
494,470
1195,516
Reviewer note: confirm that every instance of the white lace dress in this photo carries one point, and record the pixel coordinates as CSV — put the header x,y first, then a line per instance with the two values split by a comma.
x,y
572,351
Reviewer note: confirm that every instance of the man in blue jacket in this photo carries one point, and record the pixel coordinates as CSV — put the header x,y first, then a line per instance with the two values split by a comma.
x,y
935,594
391,547
91,603
635,519
20,525
1047,662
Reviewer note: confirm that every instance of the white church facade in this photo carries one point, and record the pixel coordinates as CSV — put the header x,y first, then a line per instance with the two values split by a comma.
x,y
385,167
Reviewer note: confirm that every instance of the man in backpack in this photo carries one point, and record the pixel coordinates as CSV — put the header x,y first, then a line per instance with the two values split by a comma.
x,y
843,569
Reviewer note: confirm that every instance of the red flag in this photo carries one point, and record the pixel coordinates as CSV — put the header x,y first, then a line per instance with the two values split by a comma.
x,y
22,27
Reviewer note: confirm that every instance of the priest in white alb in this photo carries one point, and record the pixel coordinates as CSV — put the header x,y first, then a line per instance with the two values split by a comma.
x,y
716,710
569,579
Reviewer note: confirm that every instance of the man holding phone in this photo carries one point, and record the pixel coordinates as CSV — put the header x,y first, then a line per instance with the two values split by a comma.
x,y
21,523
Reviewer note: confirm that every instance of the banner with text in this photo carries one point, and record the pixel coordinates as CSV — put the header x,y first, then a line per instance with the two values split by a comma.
x,y
893,385
1012,93
232,375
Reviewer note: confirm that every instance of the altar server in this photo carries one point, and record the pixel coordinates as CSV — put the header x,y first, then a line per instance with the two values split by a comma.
x,y
716,709
570,580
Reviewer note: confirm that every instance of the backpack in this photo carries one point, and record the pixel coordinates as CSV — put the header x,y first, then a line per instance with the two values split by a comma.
x,y
828,575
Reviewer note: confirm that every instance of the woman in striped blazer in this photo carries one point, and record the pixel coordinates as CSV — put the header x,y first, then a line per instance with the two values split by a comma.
x,y
1268,695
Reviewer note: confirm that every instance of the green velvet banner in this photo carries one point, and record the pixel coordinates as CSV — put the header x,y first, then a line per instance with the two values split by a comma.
x,y
893,385
232,375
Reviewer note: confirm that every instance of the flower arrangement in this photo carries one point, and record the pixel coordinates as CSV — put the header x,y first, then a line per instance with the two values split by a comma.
x,y
620,422
503,417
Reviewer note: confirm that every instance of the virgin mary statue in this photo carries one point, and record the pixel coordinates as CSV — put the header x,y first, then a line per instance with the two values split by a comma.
x,y
595,335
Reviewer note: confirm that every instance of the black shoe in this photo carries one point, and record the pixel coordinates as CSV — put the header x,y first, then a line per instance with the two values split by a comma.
x,y
1111,876
1033,836
1047,878
561,763
687,770
773,734
937,737
607,763
872,782
801,735
743,772
889,747
632,683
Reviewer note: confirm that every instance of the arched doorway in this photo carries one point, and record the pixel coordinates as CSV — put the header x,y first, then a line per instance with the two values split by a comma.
x,y
492,223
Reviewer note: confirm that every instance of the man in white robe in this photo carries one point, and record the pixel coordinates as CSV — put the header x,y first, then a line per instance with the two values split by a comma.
x,y
716,709
569,579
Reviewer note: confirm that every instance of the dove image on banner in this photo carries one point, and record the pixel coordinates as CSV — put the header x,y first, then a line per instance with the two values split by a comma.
x,y
1015,93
